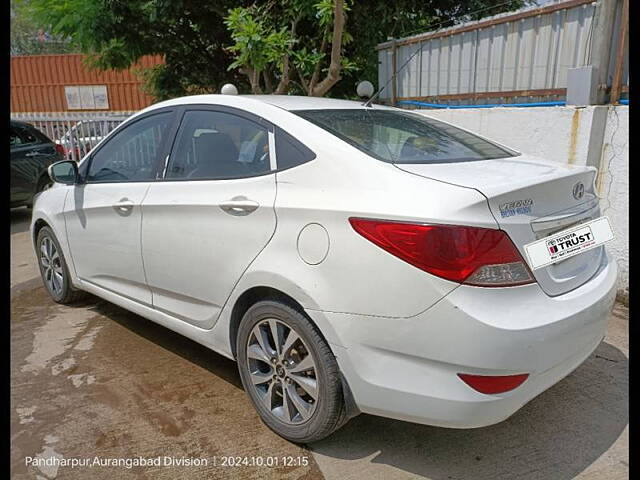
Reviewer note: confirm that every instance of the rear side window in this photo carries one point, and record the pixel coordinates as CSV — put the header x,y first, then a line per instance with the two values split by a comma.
x,y
216,145
23,136
290,152
130,155
16,141
403,137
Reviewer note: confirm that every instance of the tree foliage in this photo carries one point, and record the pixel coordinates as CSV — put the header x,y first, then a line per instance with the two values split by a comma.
x,y
189,34
307,37
271,46
28,38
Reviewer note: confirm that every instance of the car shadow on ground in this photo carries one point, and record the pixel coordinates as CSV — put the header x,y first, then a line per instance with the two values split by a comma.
x,y
191,351
557,435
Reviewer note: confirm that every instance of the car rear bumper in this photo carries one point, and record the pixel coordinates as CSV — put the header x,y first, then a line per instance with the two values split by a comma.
x,y
406,368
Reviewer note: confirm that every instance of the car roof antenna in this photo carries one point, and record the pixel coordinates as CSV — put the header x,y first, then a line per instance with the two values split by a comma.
x,y
393,77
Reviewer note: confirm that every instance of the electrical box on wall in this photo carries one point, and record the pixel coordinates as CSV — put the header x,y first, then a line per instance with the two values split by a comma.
x,y
582,86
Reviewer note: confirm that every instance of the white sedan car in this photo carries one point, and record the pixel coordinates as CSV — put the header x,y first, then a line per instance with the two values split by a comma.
x,y
349,258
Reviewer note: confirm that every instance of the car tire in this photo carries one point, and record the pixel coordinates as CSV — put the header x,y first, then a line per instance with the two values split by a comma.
x,y
280,369
54,270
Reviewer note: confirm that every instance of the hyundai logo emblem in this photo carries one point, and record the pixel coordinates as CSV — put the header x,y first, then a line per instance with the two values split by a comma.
x,y
578,190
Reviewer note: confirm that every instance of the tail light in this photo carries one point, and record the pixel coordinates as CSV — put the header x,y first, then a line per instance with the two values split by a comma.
x,y
491,384
470,255
60,149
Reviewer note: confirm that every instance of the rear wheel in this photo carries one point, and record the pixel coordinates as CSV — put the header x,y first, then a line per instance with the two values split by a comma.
x,y
54,270
289,372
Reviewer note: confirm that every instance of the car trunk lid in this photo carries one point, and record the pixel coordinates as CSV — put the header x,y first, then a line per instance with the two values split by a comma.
x,y
530,199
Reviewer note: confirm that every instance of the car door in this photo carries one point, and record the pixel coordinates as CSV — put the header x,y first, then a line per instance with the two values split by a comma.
x,y
31,153
212,213
103,213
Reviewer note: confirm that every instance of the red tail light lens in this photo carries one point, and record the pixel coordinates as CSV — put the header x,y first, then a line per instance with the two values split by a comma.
x,y
493,384
471,255
60,149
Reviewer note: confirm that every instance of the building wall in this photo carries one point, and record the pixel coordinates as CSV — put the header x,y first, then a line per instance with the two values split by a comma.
x,y
595,135
38,83
614,185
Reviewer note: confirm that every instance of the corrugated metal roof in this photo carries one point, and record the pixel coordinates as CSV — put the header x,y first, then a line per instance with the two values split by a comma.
x,y
38,81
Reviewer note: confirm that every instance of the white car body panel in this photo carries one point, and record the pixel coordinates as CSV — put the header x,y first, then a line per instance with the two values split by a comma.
x,y
379,277
98,232
400,335
194,253
547,336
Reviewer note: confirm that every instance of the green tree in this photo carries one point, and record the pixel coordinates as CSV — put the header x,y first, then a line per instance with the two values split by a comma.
x,y
28,38
189,34
317,47
271,40
315,38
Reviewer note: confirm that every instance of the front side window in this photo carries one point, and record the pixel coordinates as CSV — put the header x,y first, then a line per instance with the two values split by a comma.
x,y
216,145
130,155
403,137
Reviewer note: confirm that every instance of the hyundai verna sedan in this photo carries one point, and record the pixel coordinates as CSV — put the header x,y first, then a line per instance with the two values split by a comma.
x,y
349,258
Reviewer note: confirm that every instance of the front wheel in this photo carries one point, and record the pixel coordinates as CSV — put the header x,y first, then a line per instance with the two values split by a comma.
x,y
289,372
53,268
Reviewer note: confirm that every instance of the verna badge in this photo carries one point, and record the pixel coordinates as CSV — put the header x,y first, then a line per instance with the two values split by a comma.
x,y
578,190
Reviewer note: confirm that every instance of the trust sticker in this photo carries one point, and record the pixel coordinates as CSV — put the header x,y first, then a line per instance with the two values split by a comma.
x,y
568,243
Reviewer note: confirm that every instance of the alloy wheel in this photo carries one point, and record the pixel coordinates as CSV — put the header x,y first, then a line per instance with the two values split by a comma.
x,y
282,371
52,270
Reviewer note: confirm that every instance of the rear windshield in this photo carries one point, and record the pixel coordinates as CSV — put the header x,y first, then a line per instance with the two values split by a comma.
x,y
404,137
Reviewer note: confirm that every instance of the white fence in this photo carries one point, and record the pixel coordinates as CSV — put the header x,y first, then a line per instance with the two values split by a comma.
x,y
76,132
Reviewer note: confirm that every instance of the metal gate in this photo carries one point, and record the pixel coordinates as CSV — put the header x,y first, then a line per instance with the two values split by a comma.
x,y
78,133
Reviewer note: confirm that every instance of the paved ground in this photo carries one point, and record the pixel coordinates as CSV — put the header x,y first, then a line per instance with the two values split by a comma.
x,y
95,380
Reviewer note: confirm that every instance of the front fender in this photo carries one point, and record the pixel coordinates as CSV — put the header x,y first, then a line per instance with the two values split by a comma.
x,y
48,208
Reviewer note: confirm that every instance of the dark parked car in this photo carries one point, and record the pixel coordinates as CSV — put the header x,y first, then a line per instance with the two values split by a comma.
x,y
31,153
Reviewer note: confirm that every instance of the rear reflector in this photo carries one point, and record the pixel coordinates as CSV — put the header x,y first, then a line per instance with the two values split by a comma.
x,y
472,255
493,384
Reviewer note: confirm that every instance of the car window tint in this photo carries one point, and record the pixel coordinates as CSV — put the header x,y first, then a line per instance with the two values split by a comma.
x,y
213,145
290,152
404,137
25,136
130,154
15,138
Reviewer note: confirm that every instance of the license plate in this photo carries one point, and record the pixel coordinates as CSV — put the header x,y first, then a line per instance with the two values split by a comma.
x,y
568,243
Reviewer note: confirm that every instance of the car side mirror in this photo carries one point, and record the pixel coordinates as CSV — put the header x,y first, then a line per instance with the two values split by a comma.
x,y
65,172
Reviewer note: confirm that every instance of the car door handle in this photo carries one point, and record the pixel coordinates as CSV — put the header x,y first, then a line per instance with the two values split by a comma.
x,y
123,206
239,206
34,154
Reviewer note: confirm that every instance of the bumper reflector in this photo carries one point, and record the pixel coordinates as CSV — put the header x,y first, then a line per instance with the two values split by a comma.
x,y
491,384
